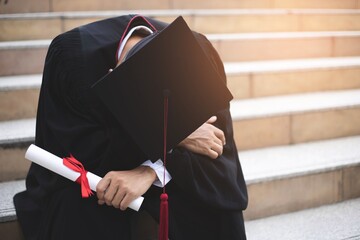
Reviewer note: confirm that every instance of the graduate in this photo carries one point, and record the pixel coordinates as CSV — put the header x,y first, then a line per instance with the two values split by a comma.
x,y
204,179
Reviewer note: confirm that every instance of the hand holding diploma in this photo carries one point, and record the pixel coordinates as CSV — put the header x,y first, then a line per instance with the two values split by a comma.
x,y
119,188
55,164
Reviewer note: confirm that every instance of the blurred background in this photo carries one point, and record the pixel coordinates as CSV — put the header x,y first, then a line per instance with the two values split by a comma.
x,y
293,68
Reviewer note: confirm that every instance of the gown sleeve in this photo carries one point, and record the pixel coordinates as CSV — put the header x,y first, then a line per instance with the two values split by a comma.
x,y
64,123
218,183
71,120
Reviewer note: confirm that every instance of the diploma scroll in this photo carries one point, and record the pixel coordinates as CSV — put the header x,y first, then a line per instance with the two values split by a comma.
x,y
55,164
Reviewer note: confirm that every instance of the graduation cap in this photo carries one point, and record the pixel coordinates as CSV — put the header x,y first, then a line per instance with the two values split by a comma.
x,y
170,61
165,89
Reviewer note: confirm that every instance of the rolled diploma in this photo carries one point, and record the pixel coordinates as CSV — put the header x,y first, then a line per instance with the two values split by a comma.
x,y
55,164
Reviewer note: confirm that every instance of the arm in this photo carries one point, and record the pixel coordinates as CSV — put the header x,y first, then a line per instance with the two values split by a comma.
x,y
119,188
218,183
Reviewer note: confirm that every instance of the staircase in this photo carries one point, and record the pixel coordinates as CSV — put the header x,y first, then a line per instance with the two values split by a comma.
x,y
292,66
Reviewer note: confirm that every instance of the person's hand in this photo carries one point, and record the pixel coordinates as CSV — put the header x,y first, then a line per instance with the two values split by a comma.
x,y
120,188
206,140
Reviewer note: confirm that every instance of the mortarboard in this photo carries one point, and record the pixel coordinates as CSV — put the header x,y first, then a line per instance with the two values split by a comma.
x,y
170,60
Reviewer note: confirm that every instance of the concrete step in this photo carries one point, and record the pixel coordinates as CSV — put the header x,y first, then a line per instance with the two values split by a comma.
x,y
335,221
22,57
280,77
93,5
27,57
8,190
15,138
279,180
31,25
9,226
295,177
19,96
285,45
284,120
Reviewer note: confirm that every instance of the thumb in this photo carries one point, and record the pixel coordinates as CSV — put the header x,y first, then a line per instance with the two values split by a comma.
x,y
212,119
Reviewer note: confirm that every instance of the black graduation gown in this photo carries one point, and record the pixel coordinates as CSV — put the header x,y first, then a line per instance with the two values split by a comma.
x,y
206,197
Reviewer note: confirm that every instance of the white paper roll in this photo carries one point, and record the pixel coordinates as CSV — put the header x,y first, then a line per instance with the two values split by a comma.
x,y
55,164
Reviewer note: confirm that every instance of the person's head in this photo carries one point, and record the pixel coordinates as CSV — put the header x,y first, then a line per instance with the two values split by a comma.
x,y
133,40
136,36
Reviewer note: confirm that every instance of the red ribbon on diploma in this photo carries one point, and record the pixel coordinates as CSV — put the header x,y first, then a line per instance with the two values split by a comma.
x,y
72,163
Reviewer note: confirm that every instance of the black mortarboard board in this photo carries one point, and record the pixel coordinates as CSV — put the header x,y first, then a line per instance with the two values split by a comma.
x,y
169,60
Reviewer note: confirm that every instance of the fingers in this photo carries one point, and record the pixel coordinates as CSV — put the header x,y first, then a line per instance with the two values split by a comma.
x,y
207,140
218,132
122,199
212,154
110,194
107,191
218,141
120,188
119,198
218,149
220,135
101,189
127,199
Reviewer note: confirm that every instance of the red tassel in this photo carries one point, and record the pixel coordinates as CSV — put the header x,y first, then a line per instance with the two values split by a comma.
x,y
164,216
164,206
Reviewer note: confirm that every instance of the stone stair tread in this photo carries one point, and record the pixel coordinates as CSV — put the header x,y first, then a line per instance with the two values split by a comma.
x,y
290,65
294,160
20,82
172,12
17,131
204,20
278,35
24,44
336,221
8,190
16,7
292,104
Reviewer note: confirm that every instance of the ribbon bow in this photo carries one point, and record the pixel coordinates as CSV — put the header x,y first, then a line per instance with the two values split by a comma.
x,y
72,163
